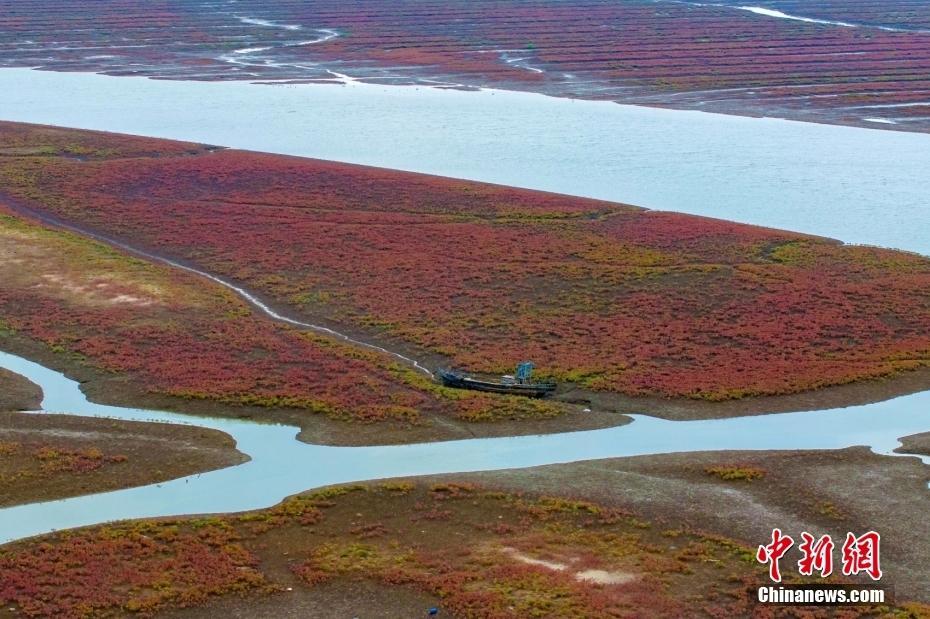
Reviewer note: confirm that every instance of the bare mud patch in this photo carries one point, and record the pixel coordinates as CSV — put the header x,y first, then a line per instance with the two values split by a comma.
x,y
596,576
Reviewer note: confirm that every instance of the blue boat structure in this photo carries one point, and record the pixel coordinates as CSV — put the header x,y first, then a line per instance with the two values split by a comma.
x,y
519,383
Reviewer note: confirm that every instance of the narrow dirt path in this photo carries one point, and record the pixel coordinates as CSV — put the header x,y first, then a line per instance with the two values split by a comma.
x,y
21,208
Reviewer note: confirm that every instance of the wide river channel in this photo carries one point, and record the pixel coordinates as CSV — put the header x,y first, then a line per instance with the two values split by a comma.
x,y
858,185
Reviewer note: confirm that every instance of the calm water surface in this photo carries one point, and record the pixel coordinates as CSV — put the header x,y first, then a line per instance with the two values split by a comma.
x,y
281,466
858,185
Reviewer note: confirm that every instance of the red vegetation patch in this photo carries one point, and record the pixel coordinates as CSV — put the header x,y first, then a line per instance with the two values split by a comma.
x,y
174,334
48,141
62,459
704,55
605,295
31,460
136,568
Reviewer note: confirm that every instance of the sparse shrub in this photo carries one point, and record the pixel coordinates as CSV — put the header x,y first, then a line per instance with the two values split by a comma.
x,y
736,473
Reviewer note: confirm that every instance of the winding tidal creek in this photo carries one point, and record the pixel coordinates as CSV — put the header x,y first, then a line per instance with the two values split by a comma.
x,y
280,465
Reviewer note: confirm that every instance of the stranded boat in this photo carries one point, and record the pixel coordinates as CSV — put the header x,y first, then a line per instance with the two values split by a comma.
x,y
518,384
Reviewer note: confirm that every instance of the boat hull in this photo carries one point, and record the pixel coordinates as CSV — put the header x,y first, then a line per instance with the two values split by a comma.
x,y
532,390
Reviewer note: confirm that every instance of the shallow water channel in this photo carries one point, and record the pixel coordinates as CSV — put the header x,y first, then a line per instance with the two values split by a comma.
x,y
281,466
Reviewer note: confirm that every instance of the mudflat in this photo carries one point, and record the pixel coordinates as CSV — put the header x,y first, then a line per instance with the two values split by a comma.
x,y
744,495
17,392
47,457
398,548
